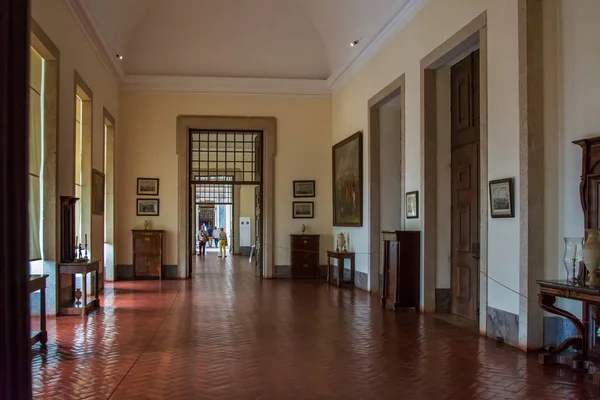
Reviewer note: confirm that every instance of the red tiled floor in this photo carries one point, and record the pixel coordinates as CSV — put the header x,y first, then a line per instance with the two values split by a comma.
x,y
227,335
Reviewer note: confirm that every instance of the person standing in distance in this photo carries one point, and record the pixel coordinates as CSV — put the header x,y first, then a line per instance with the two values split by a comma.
x,y
222,243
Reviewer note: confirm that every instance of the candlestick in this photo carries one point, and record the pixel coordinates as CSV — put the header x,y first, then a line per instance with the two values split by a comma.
x,y
86,239
575,253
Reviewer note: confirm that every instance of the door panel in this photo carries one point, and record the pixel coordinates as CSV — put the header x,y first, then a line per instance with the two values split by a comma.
x,y
465,186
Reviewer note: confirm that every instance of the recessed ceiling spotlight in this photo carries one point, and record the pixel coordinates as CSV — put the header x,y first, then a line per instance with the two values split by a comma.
x,y
120,57
354,43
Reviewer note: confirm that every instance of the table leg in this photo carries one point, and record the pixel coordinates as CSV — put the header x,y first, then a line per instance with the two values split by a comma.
x,y
578,343
97,289
340,265
353,270
84,290
328,269
44,333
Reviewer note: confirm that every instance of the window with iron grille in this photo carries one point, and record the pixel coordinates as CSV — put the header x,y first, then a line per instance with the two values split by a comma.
x,y
234,155
214,190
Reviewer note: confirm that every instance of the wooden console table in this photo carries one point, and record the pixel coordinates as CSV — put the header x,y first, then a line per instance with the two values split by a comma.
x,y
38,282
341,256
70,306
586,355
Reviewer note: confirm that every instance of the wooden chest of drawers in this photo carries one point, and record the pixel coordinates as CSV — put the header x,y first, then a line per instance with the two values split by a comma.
x,y
147,253
305,256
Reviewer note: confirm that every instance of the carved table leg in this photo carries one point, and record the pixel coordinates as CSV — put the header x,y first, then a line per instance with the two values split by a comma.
x,y
578,343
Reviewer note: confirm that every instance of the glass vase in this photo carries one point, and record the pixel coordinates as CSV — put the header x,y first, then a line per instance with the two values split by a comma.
x,y
573,256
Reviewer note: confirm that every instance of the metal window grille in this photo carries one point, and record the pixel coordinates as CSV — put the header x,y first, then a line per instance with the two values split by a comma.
x,y
218,153
214,189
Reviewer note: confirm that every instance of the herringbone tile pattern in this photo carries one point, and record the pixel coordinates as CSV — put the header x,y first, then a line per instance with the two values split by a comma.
x,y
227,335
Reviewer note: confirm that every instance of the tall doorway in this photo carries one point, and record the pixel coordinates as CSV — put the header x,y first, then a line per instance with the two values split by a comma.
x,y
223,166
465,171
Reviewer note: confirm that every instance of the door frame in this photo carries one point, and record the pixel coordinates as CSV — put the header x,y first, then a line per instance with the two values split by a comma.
x,y
471,36
393,89
268,125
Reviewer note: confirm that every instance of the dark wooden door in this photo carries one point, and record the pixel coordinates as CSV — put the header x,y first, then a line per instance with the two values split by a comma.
x,y
465,186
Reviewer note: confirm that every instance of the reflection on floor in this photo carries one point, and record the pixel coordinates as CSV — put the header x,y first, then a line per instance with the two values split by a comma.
x,y
227,335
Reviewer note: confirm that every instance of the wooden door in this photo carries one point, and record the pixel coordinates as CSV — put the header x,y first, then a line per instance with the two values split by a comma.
x,y
465,186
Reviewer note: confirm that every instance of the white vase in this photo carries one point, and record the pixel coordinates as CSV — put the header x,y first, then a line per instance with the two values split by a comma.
x,y
591,255
341,242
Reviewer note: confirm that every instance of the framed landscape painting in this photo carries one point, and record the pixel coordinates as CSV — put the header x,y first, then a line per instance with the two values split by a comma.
x,y
147,207
304,188
147,186
348,182
303,209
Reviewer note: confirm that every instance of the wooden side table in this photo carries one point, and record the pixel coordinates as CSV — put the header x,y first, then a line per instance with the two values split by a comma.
x,y
70,306
38,282
341,257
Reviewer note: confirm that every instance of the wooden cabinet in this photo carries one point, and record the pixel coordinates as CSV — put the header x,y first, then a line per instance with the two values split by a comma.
x,y
147,253
305,256
401,269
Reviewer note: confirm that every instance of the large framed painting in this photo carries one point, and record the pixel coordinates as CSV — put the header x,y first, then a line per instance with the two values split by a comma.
x,y
348,181
147,186
97,192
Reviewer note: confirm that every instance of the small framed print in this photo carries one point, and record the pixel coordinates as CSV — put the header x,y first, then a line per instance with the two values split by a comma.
x,y
303,209
412,204
147,207
147,186
502,198
304,188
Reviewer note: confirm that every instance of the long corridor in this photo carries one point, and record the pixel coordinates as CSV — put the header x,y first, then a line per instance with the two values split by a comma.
x,y
227,335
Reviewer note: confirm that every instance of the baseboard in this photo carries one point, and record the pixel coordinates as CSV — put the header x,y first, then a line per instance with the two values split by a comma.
x,y
124,272
503,325
361,280
245,250
443,300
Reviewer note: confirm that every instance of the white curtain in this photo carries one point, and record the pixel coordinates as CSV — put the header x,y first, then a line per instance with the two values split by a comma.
x,y
35,171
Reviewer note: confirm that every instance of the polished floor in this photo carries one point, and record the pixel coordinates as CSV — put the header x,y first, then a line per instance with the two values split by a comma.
x,y
227,335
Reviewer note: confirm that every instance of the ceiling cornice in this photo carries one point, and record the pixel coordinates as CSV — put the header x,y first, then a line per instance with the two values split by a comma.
x,y
193,84
400,19
91,31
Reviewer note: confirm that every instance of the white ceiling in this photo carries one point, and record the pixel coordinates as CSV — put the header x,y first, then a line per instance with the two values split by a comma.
x,y
298,39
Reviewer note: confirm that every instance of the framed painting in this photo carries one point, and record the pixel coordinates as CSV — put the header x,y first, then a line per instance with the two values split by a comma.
x,y
303,209
147,207
147,186
97,192
412,205
304,188
348,181
502,198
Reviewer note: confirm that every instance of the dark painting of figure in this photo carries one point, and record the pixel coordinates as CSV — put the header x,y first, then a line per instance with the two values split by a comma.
x,y
347,182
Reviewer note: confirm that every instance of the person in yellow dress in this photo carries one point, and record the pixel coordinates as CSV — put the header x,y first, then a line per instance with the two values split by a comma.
x,y
222,243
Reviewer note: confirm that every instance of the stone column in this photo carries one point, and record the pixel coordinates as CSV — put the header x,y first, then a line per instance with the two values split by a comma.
x,y
531,189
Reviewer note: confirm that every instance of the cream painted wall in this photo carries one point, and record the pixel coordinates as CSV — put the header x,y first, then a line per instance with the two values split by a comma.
x,y
578,109
391,201
76,54
148,148
402,54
